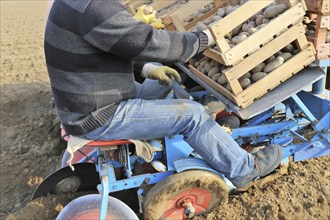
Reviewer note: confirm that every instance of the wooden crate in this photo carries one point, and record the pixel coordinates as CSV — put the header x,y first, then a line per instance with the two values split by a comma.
x,y
231,56
176,19
246,97
318,6
319,40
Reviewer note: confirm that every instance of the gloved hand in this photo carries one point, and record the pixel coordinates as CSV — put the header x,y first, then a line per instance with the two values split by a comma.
x,y
142,16
164,74
158,23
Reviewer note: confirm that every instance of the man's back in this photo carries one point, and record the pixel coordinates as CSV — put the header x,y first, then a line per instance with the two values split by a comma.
x,y
83,77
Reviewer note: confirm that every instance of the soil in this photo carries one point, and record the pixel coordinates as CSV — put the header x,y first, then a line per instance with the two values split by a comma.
x,y
28,153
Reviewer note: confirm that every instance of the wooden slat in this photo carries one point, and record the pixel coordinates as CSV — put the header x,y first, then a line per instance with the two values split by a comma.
x,y
161,4
323,51
325,22
265,52
325,7
213,54
271,29
290,67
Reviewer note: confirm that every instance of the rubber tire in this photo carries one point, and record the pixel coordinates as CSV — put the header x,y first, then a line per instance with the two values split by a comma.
x,y
176,183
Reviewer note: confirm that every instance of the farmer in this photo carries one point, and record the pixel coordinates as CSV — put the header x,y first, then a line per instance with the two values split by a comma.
x,y
91,48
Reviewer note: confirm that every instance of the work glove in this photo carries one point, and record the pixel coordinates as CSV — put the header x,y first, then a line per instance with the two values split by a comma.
x,y
158,23
164,74
209,37
143,15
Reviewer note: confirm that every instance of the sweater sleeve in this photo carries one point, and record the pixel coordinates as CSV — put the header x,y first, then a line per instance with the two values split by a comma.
x,y
108,26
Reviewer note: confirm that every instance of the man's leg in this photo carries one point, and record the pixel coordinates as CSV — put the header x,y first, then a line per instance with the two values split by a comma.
x,y
151,119
151,89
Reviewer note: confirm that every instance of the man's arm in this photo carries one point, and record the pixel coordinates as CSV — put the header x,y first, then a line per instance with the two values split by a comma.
x,y
109,27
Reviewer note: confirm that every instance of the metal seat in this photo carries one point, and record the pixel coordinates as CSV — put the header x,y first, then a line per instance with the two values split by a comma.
x,y
66,136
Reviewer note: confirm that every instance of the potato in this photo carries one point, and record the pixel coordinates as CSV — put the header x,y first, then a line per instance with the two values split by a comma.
x,y
148,10
289,48
208,67
252,23
244,33
258,68
195,15
275,10
306,20
222,80
216,76
213,71
245,82
258,75
310,33
197,63
234,40
230,9
265,21
295,52
286,56
200,26
188,19
207,21
200,67
221,12
203,62
204,10
246,27
228,87
237,29
278,53
213,63
246,75
254,17
274,64
260,26
311,27
270,59
251,30
259,20
241,38
203,70
216,18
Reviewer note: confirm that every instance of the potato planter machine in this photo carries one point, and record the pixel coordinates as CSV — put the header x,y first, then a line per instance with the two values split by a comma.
x,y
178,183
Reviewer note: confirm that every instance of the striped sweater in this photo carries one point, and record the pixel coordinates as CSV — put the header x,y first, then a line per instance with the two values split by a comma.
x,y
90,48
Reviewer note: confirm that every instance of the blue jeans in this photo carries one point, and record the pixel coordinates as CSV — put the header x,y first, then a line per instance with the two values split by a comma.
x,y
149,116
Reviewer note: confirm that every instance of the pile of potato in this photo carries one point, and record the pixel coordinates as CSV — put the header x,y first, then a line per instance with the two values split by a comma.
x,y
310,26
171,8
216,71
253,24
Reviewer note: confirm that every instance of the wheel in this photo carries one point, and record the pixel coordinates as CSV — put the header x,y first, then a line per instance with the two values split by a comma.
x,y
88,208
184,195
